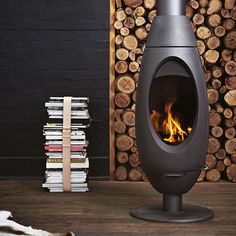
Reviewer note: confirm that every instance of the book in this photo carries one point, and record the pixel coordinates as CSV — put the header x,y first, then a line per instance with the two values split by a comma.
x,y
53,133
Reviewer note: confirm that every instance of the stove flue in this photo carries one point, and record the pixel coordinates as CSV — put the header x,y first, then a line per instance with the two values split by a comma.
x,y
172,115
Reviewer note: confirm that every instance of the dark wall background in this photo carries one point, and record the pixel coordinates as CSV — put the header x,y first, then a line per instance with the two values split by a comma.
x,y
51,48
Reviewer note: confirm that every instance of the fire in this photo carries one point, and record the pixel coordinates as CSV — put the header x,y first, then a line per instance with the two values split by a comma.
x,y
170,126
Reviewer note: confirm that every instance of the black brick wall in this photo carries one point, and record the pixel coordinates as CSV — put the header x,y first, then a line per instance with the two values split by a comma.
x,y
51,48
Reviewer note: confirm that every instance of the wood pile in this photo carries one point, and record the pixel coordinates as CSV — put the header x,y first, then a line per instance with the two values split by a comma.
x,y
213,22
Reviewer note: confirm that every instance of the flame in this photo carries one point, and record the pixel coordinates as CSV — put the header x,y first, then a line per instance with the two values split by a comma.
x,y
170,126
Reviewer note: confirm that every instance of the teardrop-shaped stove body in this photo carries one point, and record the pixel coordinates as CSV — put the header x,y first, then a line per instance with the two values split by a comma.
x,y
171,71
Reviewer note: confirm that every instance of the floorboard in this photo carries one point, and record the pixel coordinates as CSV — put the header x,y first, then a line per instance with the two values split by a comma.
x,y
105,209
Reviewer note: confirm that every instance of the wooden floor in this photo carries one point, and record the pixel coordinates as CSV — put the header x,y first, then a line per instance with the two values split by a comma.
x,y
105,209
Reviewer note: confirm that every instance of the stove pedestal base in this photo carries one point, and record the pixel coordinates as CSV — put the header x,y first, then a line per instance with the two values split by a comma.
x,y
189,214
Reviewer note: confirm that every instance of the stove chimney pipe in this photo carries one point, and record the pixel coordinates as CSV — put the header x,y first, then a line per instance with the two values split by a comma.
x,y
170,7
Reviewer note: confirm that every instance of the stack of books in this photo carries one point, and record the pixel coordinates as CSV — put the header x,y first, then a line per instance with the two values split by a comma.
x,y
54,145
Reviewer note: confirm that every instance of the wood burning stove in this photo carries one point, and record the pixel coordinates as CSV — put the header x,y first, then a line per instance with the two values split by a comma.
x,y
172,115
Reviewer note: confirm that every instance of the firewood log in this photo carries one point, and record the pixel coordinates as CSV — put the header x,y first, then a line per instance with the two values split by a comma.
x,y
128,117
149,4
122,157
134,95
228,113
119,126
213,145
133,66
222,90
130,42
128,11
220,166
120,14
214,119
213,175
131,132
233,158
219,31
214,20
125,84
118,24
118,39
203,32
134,160
231,172
230,40
214,6
139,59
151,15
213,96
134,149
203,3
189,11
124,31
225,13
117,114
133,53
140,20
230,67
136,77
230,97
202,176
230,82
219,108
229,24
210,161
216,83
201,46
233,13
148,27
121,67
227,162
122,100
207,75
198,19
213,42
202,11
122,54
230,146
139,11
211,56
229,4
230,133
124,142
194,4
141,33
229,123
220,154
217,131
133,3
129,22
121,173
135,174
217,72
118,4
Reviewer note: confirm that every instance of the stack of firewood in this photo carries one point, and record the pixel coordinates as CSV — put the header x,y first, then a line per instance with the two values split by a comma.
x,y
213,22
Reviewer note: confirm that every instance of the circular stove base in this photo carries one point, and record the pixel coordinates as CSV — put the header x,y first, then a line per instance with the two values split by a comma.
x,y
189,214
